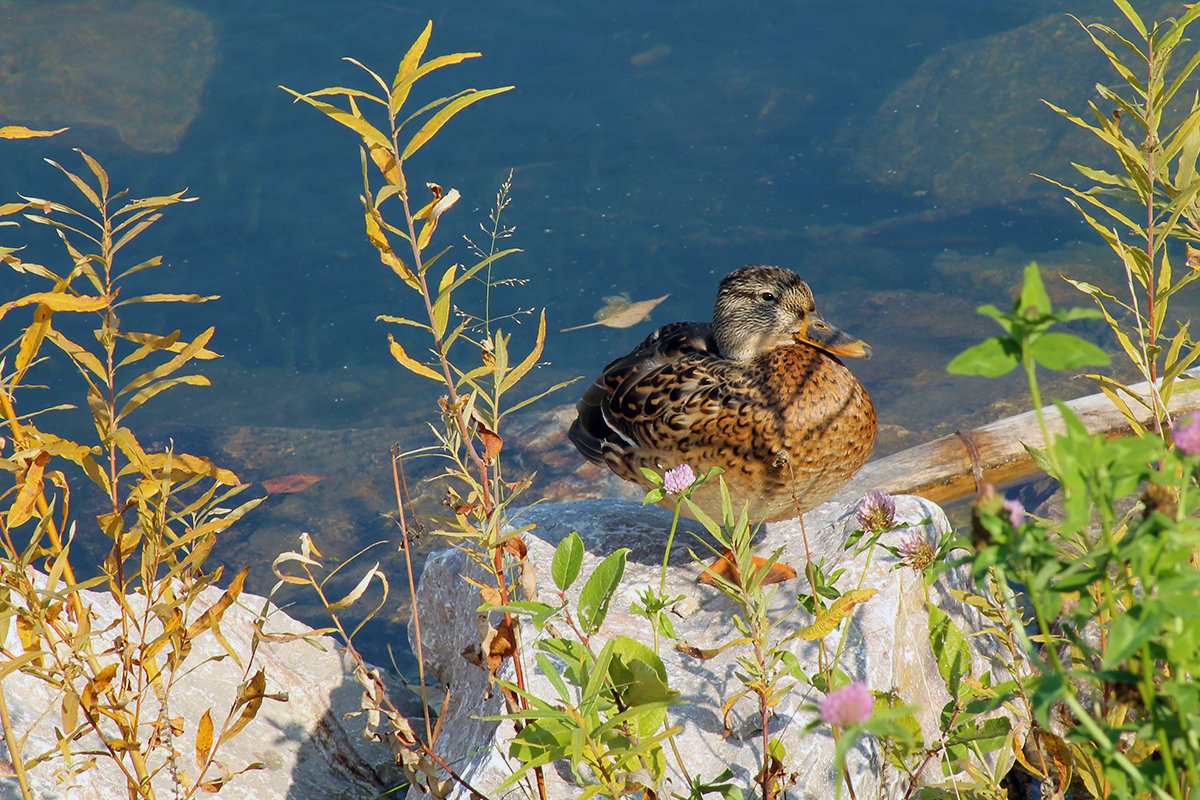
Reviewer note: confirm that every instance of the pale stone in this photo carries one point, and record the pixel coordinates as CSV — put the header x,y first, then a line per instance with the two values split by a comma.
x,y
307,745
887,645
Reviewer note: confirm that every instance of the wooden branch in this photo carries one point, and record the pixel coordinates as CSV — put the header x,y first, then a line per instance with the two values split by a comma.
x,y
944,470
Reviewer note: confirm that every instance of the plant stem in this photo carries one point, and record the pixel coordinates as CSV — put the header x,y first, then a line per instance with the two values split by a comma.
x,y
14,749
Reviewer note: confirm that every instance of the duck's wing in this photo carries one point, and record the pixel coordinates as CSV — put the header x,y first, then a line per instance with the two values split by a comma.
x,y
636,379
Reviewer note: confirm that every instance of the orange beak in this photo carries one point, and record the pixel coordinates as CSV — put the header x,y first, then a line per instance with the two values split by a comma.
x,y
820,334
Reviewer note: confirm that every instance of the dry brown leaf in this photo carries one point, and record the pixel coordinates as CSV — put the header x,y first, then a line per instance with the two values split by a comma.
x,y
492,442
501,646
619,312
288,484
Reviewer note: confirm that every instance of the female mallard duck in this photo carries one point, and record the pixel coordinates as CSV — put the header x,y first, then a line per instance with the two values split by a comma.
x,y
760,393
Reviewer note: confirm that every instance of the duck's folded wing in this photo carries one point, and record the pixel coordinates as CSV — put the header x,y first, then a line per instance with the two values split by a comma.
x,y
601,417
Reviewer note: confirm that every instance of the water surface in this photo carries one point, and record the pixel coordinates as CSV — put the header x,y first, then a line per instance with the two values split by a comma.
x,y
653,147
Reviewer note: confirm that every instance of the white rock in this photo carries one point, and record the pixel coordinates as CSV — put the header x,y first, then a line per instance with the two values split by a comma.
x,y
309,750
887,645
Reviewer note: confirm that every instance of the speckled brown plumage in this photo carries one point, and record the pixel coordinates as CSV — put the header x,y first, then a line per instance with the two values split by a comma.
x,y
759,392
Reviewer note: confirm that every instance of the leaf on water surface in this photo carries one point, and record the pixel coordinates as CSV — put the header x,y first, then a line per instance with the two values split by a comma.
x,y
289,484
619,312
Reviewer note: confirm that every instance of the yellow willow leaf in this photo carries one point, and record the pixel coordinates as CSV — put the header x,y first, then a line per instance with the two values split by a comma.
x,y
619,312
97,170
251,695
22,508
64,448
426,234
211,618
530,361
386,162
413,57
354,594
31,341
151,342
441,307
443,116
146,392
204,738
18,132
376,236
355,122
58,301
185,354
184,464
13,208
828,619
402,87
410,363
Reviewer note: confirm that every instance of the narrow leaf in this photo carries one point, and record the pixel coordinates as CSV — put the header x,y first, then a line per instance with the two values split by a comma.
x,y
439,119
568,558
410,363
598,591
57,301
204,738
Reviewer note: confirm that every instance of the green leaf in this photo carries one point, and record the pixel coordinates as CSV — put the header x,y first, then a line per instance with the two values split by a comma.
x,y
598,591
995,357
1064,351
949,648
1033,293
1130,631
568,558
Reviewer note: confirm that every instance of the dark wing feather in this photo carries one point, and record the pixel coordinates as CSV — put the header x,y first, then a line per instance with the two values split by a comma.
x,y
664,346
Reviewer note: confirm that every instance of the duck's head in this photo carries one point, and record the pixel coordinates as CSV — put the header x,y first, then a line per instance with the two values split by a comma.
x,y
760,308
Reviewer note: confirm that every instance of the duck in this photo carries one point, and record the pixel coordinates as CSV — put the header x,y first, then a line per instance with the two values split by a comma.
x,y
760,392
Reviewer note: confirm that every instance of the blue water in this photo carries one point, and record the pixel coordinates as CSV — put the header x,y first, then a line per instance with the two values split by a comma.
x,y
654,147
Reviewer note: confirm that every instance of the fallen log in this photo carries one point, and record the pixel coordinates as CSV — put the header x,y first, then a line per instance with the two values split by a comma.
x,y
949,468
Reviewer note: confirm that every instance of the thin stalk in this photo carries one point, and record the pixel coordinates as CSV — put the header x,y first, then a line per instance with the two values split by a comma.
x,y
412,587
14,749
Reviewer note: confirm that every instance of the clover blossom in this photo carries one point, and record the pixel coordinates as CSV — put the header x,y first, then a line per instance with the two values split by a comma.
x,y
1187,435
914,551
877,511
850,705
1016,512
677,480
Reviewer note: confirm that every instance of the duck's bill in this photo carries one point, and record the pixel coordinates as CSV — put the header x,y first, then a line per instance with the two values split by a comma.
x,y
820,333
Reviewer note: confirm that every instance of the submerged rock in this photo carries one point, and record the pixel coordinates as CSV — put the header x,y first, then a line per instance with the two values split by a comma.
x,y
969,128
887,646
138,67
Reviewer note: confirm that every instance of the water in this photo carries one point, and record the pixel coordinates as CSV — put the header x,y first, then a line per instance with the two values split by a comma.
x,y
653,148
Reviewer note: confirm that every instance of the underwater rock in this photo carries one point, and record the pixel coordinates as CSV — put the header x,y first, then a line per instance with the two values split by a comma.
x,y
138,67
887,645
969,128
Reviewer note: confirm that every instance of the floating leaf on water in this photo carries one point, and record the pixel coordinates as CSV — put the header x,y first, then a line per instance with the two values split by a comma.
x,y
619,312
291,483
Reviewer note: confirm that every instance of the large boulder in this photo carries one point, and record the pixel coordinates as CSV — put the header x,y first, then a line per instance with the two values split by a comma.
x,y
887,644
310,744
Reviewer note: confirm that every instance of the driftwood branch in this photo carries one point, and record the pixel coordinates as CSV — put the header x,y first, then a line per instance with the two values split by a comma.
x,y
947,468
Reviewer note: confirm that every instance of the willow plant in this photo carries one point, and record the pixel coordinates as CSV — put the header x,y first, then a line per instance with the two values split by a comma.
x,y
1140,211
162,514
476,386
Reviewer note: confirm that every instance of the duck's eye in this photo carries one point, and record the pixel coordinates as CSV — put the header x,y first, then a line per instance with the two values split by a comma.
x,y
768,297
